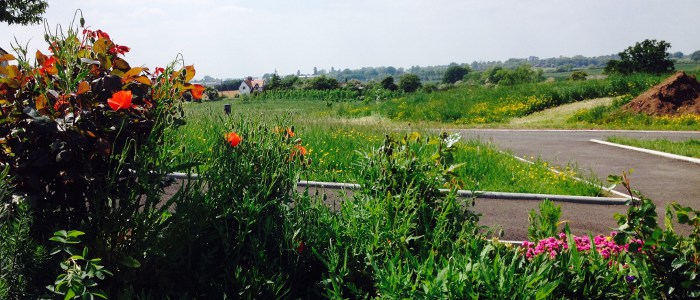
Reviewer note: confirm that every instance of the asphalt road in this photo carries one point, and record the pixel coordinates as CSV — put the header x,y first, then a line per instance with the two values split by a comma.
x,y
662,179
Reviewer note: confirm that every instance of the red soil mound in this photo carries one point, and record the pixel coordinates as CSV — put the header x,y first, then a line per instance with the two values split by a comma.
x,y
679,94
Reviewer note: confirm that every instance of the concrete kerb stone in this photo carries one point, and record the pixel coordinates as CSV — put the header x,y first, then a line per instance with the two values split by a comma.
x,y
490,195
460,193
653,152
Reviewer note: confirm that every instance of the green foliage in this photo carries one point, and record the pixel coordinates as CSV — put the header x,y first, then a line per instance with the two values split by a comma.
x,y
495,104
320,83
455,73
671,260
212,94
409,83
23,12
578,75
545,223
230,85
80,274
521,74
94,127
648,56
388,83
21,257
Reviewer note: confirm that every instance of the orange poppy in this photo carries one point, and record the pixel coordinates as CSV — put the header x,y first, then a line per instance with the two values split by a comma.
x,y
233,138
198,91
49,66
298,150
119,100
290,133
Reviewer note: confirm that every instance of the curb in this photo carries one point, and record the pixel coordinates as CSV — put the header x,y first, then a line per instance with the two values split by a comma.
x,y
490,195
460,193
653,152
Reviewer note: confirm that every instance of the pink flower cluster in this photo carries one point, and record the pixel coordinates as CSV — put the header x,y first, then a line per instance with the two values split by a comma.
x,y
552,246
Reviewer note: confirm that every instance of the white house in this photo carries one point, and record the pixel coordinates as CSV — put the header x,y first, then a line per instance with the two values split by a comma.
x,y
250,85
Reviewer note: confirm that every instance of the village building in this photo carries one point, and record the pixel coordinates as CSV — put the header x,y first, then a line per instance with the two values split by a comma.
x,y
3,52
250,85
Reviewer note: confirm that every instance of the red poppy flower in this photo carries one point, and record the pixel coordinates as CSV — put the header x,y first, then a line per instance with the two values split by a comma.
x,y
233,138
48,66
301,247
158,71
119,100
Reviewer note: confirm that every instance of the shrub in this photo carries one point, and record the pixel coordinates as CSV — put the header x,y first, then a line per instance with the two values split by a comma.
x,y
409,83
93,125
578,75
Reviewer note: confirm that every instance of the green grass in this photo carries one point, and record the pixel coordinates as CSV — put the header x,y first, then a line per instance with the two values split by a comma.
x,y
690,148
335,145
477,105
612,116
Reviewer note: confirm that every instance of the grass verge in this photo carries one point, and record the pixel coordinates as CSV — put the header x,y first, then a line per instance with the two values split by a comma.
x,y
690,148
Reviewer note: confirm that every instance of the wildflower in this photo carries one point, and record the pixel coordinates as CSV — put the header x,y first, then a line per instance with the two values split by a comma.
x,y
158,71
301,247
290,133
48,66
233,138
299,149
198,91
119,100
630,278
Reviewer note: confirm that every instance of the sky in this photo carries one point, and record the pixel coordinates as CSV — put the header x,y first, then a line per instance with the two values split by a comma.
x,y
235,39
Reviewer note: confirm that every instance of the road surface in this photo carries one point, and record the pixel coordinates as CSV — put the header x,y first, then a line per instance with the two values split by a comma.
x,y
662,179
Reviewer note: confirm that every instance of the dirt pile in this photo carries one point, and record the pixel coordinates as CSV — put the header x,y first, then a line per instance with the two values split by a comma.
x,y
679,94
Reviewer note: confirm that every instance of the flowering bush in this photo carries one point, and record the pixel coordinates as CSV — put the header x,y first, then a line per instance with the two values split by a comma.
x,y
553,246
73,111
81,131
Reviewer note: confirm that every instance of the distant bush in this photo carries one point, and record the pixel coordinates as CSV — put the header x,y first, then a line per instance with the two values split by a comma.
x,y
578,76
409,83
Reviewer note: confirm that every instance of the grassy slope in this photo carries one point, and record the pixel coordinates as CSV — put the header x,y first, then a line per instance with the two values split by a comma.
x,y
689,148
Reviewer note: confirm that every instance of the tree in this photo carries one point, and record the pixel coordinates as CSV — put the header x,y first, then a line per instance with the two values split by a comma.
x,y
275,82
578,76
409,82
23,12
695,56
648,56
388,83
454,73
677,54
321,83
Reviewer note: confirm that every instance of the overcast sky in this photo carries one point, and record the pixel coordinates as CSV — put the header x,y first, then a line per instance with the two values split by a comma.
x,y
233,39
